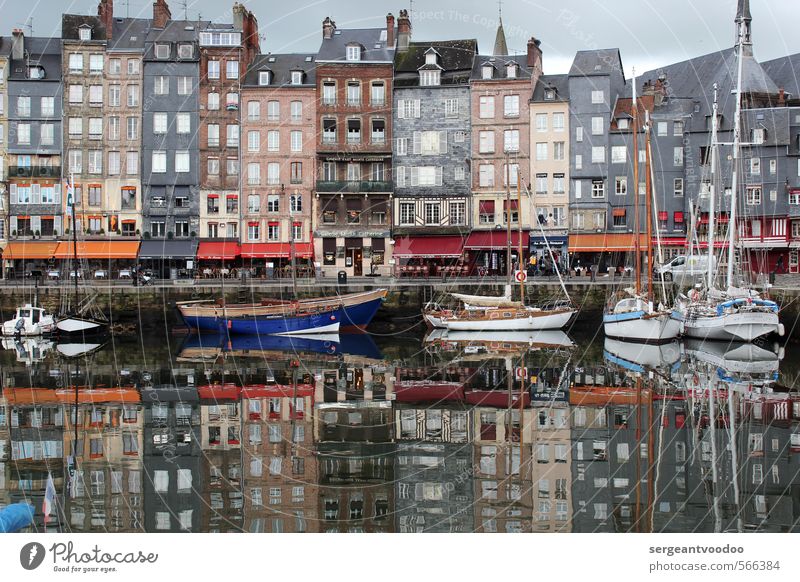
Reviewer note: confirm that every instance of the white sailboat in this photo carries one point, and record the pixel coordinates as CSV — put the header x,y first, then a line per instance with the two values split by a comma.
x,y
637,318
739,314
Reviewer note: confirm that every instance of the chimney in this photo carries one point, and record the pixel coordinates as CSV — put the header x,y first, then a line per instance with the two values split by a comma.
x,y
403,31
245,21
18,44
105,11
657,90
534,61
390,30
781,97
328,26
161,14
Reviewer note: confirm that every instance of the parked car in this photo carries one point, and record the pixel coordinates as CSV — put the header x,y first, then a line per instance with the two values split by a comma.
x,y
682,267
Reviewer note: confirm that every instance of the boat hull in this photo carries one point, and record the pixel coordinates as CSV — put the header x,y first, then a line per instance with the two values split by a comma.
x,y
540,321
79,325
637,326
741,326
313,323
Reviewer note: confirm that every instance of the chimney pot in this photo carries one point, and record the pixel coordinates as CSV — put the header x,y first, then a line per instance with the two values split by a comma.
x,y
390,30
328,26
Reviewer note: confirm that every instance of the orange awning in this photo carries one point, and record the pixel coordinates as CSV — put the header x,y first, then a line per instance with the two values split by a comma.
x,y
99,249
605,242
16,250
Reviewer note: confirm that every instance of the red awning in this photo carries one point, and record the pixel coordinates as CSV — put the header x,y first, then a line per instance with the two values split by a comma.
x,y
265,250
223,250
486,207
514,204
495,239
418,391
497,398
428,246
304,250
618,212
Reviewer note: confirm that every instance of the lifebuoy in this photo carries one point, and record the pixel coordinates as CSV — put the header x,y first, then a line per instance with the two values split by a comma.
x,y
695,295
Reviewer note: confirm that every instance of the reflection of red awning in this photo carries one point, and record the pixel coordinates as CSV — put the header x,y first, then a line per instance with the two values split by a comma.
x,y
219,392
495,239
419,391
428,246
222,250
277,391
722,218
497,398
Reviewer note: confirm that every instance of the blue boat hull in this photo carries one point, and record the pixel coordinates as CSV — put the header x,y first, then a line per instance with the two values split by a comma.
x,y
326,322
357,316
356,344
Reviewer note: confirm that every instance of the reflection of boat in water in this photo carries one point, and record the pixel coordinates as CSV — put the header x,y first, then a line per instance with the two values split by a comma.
x,y
496,342
29,350
637,356
210,346
77,350
736,357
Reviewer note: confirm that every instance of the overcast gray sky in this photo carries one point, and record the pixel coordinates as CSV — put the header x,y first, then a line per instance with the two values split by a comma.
x,y
649,32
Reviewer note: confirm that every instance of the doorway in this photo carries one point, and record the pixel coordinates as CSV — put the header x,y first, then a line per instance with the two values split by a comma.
x,y
355,256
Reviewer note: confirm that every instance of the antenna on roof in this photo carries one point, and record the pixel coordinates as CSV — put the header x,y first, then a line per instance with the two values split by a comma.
x,y
127,8
29,25
500,9
185,4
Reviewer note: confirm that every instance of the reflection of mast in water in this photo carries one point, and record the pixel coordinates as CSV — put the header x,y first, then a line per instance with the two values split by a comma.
x,y
734,460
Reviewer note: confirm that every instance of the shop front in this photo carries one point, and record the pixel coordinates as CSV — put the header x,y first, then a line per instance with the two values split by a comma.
x,y
427,256
559,246
487,251
218,258
169,259
30,259
274,260
607,252
98,259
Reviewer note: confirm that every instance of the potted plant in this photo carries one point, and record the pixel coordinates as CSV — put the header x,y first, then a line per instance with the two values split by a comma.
x,y
13,233
37,234
146,234
193,234
55,234
170,235
138,232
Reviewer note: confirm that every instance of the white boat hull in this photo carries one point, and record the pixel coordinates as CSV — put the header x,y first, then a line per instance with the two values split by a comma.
x,y
77,325
531,323
434,321
643,354
332,328
743,326
660,328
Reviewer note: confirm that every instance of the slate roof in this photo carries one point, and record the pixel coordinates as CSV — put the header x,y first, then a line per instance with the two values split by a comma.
x,y
499,63
45,52
373,41
455,61
70,23
174,32
558,82
785,72
282,67
129,34
596,62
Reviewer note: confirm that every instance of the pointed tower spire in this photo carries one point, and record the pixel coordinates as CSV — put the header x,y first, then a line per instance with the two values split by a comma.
x,y
500,46
744,21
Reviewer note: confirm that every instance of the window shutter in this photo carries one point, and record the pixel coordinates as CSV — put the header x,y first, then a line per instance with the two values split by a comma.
x,y
36,194
36,224
12,223
416,108
443,142
401,176
401,109
57,225
57,193
417,142
12,189
439,175
414,176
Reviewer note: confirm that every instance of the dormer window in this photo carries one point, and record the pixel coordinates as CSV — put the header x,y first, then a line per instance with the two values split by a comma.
x,y
623,123
430,58
85,33
162,51
264,78
35,72
353,52
511,70
549,94
297,77
487,71
185,51
430,78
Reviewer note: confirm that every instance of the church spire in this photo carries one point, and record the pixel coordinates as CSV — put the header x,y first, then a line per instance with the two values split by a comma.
x,y
744,21
500,46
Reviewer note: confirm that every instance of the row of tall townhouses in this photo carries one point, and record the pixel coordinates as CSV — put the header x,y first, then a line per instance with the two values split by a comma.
x,y
378,154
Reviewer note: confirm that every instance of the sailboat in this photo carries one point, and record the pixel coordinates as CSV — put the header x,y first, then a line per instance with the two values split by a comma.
x,y
738,313
487,313
637,318
80,318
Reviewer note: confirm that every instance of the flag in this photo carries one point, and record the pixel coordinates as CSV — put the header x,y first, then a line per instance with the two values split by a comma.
x,y
49,498
70,195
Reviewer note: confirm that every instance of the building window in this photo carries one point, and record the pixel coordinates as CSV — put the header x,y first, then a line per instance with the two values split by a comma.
x,y
558,122
407,213
213,101
559,184
273,231
432,213
458,213
353,52
451,108
213,69
133,95
273,141
273,111
598,97
559,151
159,162
511,106
296,141
253,174
598,189
185,86
232,136
753,196
182,161
47,106
541,183
619,154
486,107
183,123
511,140
487,71
678,187
486,176
264,78
598,155
541,152
662,128
678,156
597,125
96,64
621,185
232,69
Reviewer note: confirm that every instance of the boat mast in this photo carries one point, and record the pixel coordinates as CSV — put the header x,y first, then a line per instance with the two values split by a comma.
x,y
519,227
508,220
648,213
637,250
737,138
74,240
712,203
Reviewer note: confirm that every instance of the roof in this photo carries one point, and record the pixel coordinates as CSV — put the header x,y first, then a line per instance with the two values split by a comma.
x,y
785,72
44,52
455,59
129,34
5,46
558,82
596,62
71,23
499,63
281,66
623,109
177,30
373,40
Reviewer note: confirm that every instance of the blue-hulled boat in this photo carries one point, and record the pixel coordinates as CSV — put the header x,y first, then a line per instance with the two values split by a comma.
x,y
280,322
351,311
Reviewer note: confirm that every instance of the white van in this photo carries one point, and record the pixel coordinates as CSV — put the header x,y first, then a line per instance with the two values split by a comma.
x,y
683,266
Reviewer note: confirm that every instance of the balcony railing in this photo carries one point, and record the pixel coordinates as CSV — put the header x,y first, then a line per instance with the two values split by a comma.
x,y
354,186
34,171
